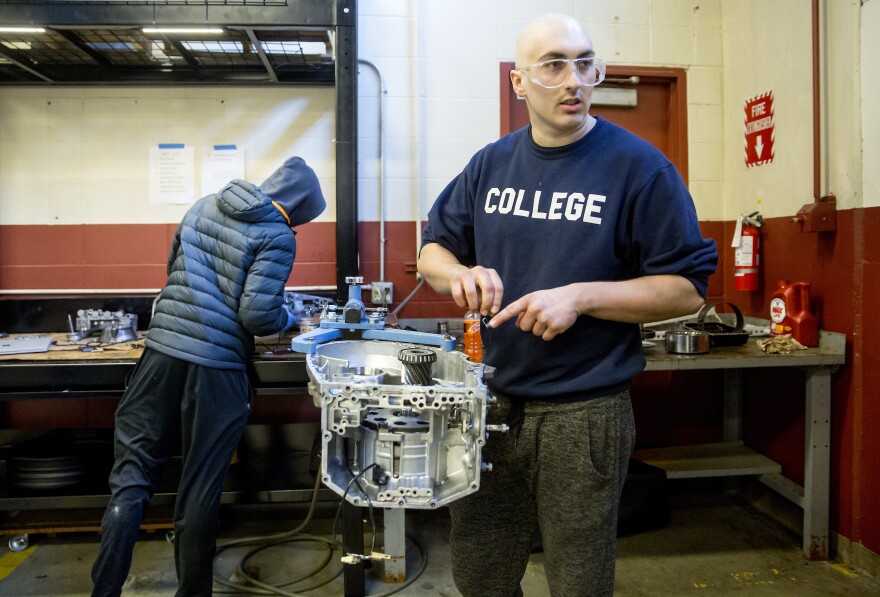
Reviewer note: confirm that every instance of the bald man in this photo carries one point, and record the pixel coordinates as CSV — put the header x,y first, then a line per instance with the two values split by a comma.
x,y
569,233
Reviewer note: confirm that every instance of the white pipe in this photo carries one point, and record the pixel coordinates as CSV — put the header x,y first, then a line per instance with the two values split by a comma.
x,y
409,296
382,239
824,89
416,72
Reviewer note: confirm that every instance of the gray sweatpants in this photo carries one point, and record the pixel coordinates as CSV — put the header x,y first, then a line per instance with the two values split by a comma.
x,y
562,473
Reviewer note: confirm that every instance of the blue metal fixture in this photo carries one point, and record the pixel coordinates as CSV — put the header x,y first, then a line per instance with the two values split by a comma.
x,y
360,323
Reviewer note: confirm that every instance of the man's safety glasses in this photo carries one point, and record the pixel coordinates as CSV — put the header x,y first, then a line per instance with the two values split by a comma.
x,y
551,74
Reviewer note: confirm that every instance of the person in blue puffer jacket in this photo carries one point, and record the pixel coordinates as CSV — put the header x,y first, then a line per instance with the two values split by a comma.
x,y
229,261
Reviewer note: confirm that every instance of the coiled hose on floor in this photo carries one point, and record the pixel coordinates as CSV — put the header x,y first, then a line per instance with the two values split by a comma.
x,y
260,543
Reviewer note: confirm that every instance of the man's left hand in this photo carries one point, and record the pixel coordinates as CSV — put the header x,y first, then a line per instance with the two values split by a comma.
x,y
545,313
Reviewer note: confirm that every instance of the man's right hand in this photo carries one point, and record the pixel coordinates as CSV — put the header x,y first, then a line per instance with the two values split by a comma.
x,y
477,287
472,288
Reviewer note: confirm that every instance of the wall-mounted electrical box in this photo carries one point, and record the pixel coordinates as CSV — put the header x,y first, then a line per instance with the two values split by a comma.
x,y
819,216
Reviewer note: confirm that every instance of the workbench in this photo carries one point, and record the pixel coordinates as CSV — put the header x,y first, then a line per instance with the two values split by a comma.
x,y
732,458
68,373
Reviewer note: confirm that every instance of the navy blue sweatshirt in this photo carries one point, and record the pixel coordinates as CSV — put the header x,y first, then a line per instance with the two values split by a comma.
x,y
607,207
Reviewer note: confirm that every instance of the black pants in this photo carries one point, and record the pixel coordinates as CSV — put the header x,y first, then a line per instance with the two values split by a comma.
x,y
169,398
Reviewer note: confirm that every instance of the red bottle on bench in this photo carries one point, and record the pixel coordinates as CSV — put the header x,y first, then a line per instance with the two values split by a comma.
x,y
790,313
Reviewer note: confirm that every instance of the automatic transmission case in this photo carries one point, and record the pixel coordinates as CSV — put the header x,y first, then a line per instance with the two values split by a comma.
x,y
390,440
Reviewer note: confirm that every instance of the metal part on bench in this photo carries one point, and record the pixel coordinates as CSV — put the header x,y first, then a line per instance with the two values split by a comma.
x,y
113,326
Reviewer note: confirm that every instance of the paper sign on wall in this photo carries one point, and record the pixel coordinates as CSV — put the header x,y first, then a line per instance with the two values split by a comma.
x,y
172,174
221,164
759,130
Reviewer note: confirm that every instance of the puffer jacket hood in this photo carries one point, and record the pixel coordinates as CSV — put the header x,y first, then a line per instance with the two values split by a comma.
x,y
294,189
244,201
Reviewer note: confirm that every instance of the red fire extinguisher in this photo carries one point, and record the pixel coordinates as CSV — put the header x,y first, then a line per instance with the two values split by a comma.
x,y
747,253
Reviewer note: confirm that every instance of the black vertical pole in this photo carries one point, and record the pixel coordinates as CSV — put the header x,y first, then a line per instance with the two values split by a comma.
x,y
347,230
346,146
353,542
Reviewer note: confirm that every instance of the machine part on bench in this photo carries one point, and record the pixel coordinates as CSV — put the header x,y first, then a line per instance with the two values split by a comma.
x,y
393,443
113,326
304,306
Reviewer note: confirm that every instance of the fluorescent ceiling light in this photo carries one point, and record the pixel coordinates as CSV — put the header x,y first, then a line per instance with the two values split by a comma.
x,y
294,47
22,30
186,30
104,46
223,47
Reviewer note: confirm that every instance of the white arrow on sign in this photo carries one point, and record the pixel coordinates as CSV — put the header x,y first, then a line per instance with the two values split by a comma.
x,y
759,147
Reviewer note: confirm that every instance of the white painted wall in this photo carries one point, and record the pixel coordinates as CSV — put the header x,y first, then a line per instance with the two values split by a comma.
x,y
75,155
768,47
80,154
442,81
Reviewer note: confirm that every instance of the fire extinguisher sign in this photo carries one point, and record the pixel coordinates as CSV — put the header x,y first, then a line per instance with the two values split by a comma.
x,y
759,130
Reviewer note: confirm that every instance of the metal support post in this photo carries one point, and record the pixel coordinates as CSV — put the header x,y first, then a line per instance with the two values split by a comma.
x,y
395,545
817,454
732,426
353,542
732,430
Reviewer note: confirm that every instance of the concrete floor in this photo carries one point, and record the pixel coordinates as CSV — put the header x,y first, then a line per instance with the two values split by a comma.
x,y
711,546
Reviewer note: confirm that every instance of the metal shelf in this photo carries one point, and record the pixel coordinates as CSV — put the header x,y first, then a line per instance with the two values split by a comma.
x,y
125,54
26,380
725,459
103,42
279,479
